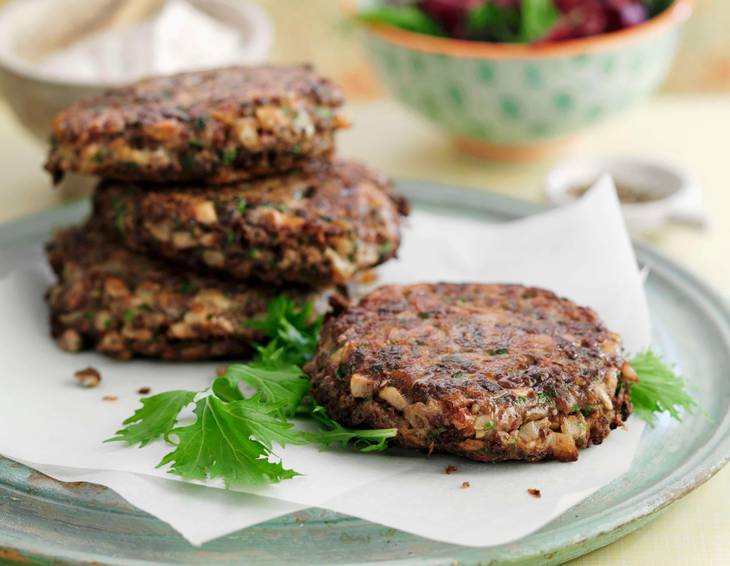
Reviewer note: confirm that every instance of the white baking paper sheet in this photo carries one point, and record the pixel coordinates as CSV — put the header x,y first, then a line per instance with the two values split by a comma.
x,y
581,251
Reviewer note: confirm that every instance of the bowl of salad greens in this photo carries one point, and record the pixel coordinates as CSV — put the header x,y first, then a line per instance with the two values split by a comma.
x,y
511,79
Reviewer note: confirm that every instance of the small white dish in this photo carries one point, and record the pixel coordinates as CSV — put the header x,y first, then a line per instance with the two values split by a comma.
x,y
659,192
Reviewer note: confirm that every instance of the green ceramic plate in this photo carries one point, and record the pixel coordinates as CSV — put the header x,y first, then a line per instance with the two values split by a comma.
x,y
46,522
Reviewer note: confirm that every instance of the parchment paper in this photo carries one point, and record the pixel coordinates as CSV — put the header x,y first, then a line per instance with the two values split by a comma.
x,y
581,251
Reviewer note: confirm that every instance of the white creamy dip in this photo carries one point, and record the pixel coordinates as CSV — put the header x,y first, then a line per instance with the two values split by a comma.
x,y
178,37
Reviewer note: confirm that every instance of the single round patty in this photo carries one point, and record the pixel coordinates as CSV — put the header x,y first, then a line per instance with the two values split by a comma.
x,y
126,305
316,227
219,126
489,372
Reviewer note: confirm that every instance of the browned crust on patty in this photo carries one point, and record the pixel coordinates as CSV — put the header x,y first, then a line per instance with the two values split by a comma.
x,y
489,372
219,126
126,305
318,226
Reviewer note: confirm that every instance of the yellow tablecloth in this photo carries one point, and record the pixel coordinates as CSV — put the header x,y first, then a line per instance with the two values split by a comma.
x,y
693,131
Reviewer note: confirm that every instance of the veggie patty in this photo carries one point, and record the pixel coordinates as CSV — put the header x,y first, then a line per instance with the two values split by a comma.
x,y
124,304
489,372
317,226
219,126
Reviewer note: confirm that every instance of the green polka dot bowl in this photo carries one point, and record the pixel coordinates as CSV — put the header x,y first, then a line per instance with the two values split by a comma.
x,y
517,101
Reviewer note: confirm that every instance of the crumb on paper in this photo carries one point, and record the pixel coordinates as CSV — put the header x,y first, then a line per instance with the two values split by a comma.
x,y
450,469
89,377
465,485
109,398
534,492
144,390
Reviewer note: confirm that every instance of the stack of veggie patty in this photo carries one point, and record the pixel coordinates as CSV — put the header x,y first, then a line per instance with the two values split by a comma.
x,y
219,190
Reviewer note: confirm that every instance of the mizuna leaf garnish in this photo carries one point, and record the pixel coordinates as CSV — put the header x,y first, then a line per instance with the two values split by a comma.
x,y
232,436
334,433
154,419
232,440
659,389
284,385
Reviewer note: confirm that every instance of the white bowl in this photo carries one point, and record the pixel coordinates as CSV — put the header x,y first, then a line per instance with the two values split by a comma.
x,y
36,96
666,185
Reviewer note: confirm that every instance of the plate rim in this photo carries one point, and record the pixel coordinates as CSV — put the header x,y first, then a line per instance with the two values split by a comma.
x,y
593,531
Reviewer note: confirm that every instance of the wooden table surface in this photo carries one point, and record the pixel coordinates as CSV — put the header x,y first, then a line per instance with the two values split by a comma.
x,y
690,130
